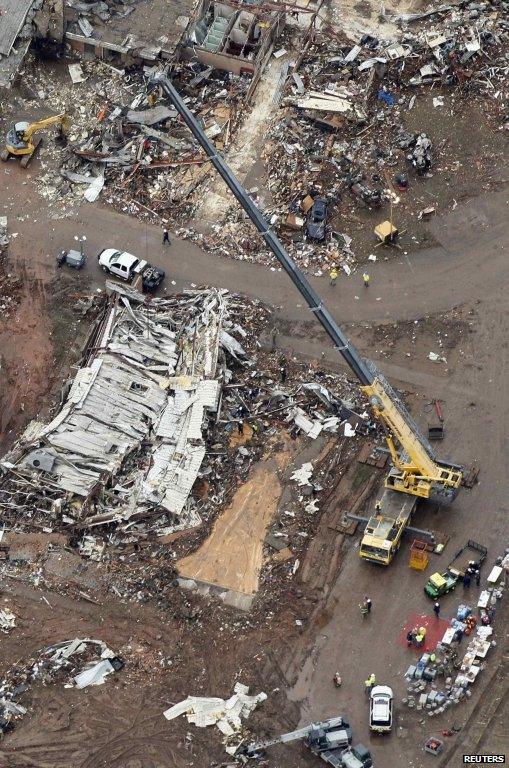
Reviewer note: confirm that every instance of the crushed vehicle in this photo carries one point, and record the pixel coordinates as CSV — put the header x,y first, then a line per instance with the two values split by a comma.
x,y
128,267
317,218
370,197
441,583
380,708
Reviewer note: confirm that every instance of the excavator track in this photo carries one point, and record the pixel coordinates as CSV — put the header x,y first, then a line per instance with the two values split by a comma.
x,y
25,160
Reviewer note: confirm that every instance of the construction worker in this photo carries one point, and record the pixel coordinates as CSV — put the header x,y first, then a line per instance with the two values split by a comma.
x,y
367,603
419,640
367,686
337,679
433,657
333,274
422,631
365,277
166,237
282,370
436,609
372,679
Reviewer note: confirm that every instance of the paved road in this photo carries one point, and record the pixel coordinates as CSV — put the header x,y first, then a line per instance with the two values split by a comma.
x,y
469,265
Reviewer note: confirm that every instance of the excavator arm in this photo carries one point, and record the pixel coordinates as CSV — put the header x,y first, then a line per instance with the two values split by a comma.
x,y
417,470
40,124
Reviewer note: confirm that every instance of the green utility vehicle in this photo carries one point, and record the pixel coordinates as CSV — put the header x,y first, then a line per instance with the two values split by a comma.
x,y
471,554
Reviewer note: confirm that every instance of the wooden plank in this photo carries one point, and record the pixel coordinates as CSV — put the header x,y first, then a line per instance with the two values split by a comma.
x,y
325,105
232,556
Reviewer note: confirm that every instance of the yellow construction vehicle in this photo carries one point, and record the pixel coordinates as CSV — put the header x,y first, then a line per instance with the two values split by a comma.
x,y
20,141
416,472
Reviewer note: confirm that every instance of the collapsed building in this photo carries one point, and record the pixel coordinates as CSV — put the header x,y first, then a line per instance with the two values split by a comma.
x,y
147,380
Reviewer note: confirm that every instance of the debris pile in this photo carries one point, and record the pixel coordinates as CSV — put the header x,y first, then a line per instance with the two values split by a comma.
x,y
125,138
173,405
141,385
7,620
76,663
346,131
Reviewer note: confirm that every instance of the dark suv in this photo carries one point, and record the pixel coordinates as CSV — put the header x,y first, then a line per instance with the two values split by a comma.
x,y
317,216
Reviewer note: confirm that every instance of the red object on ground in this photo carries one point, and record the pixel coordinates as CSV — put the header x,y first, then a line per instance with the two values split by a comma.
x,y
435,629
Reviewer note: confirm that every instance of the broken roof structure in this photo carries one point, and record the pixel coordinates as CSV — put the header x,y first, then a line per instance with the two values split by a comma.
x,y
149,379
15,35
144,30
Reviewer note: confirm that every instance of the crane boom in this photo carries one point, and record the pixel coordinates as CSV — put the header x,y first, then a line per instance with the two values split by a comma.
x,y
300,733
419,472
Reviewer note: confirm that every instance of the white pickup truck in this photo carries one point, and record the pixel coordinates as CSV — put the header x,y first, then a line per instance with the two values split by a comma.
x,y
127,267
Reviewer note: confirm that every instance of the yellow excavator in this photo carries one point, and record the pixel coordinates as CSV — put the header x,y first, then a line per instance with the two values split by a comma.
x,y
22,142
416,471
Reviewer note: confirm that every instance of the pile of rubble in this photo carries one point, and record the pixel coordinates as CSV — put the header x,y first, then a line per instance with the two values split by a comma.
x,y
341,134
227,715
123,136
77,663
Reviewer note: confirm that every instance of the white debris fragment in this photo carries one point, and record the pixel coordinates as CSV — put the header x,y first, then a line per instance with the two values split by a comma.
x,y
436,358
7,620
312,507
349,431
227,715
95,675
92,192
76,73
303,475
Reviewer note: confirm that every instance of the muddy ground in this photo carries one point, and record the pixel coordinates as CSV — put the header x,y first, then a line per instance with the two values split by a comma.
x,y
178,643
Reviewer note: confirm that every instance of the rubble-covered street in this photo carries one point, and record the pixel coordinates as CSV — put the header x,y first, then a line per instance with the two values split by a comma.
x,y
200,462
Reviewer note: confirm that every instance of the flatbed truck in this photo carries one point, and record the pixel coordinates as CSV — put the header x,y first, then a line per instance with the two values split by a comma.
x,y
384,530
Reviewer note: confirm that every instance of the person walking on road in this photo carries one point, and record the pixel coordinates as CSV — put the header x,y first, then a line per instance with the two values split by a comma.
x,y
367,603
333,274
282,370
365,277
166,237
436,609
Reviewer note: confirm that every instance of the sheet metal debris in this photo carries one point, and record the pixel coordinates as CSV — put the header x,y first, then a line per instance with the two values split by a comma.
x,y
226,714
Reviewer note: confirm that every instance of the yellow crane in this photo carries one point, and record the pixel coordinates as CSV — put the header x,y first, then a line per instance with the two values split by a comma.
x,y
416,473
20,141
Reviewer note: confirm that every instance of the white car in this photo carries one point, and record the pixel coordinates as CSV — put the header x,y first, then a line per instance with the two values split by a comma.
x,y
380,708
126,266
